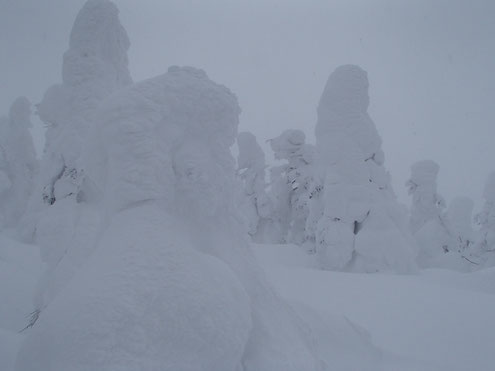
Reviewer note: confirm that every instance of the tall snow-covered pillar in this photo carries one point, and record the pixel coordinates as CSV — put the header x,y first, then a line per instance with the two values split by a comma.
x,y
94,66
363,226
60,220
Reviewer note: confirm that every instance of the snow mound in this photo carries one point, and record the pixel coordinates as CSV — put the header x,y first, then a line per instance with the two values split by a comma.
x,y
148,300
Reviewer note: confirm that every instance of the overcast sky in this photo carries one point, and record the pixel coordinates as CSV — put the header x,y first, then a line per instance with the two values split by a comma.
x,y
430,64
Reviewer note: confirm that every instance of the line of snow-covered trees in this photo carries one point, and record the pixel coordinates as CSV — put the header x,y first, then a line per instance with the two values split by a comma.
x,y
334,198
142,218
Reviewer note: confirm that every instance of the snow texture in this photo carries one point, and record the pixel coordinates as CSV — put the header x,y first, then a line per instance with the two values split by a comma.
x,y
166,288
362,227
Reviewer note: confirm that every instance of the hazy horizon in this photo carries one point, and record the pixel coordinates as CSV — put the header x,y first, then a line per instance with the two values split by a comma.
x,y
427,62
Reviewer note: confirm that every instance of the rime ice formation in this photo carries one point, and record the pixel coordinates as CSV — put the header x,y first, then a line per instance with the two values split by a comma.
x,y
172,284
362,227
18,162
94,66
428,222
427,204
485,245
61,220
292,183
255,204
459,216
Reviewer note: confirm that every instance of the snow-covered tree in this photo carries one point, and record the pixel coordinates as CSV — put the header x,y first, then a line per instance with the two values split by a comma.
x,y
485,244
18,162
363,226
94,66
460,224
61,221
292,184
257,207
172,276
428,221
427,204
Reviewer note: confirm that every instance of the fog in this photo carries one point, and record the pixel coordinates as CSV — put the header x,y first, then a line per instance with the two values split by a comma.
x,y
430,66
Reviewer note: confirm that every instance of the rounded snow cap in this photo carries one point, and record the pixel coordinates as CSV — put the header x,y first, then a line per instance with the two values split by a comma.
x,y
424,172
20,112
250,152
346,91
286,143
97,38
162,129
489,191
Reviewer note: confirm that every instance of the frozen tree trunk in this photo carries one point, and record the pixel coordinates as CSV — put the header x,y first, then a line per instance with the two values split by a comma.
x,y
362,227
173,284
18,162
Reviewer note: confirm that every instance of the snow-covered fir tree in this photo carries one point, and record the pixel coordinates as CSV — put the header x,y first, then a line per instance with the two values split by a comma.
x,y
459,217
61,220
291,184
428,221
363,226
427,204
18,162
256,207
485,244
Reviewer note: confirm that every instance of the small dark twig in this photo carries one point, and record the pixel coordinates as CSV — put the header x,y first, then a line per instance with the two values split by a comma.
x,y
33,317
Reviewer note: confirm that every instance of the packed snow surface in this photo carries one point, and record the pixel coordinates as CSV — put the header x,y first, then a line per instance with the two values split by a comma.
x,y
437,320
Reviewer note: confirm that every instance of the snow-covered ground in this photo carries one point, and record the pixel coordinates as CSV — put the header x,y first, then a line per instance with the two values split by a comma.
x,y
436,320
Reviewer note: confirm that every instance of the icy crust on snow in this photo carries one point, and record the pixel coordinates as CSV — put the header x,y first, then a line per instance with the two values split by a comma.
x,y
362,227
166,288
18,162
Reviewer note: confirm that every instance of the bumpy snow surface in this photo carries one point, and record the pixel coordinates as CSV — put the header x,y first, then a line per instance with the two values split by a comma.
x,y
165,288
438,320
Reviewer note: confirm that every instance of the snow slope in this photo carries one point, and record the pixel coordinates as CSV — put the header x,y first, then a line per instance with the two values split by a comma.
x,y
437,320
